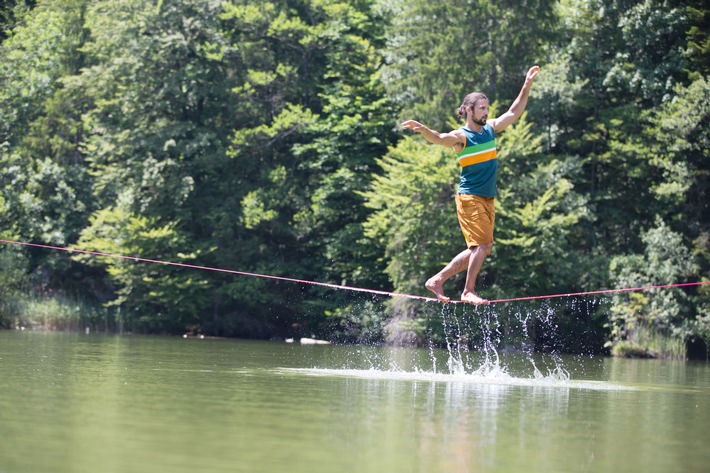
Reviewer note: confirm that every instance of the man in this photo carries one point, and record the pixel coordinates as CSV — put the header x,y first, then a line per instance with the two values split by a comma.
x,y
476,149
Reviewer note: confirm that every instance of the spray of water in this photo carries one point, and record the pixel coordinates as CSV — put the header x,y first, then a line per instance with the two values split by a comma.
x,y
488,357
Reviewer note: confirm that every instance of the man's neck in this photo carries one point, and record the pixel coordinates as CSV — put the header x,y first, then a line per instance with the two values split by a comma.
x,y
471,125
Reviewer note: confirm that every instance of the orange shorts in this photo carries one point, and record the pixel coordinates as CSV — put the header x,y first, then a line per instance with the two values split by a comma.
x,y
476,218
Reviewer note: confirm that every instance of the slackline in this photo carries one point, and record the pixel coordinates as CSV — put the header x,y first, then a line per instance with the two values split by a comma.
x,y
343,287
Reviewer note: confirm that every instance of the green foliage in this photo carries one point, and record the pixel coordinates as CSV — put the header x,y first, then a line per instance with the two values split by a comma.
x,y
441,50
641,317
13,282
316,118
679,142
153,297
12,11
555,97
40,202
41,175
650,58
37,53
414,212
626,349
674,146
701,250
536,217
414,216
262,137
698,35
361,322
61,313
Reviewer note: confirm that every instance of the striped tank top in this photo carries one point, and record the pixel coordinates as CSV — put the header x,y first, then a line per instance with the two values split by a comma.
x,y
479,163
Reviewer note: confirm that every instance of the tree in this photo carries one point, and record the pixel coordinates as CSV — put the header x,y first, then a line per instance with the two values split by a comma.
x,y
537,211
675,146
155,140
624,72
314,118
658,322
43,179
10,12
415,218
697,35
439,51
262,137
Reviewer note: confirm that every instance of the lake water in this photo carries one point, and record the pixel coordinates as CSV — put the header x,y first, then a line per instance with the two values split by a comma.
x,y
107,403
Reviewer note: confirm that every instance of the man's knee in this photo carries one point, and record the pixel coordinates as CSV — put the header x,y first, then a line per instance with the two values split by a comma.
x,y
484,248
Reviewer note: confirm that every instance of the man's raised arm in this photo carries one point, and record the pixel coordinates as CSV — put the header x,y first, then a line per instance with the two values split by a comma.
x,y
515,110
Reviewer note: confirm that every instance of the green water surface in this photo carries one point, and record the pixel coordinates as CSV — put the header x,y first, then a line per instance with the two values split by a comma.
x,y
108,403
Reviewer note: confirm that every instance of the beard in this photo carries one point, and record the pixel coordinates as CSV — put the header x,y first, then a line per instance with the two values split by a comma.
x,y
480,121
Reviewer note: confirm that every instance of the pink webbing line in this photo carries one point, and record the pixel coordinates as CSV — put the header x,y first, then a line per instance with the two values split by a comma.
x,y
220,270
339,286
603,291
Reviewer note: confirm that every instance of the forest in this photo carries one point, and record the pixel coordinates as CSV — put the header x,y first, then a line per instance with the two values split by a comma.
x,y
264,137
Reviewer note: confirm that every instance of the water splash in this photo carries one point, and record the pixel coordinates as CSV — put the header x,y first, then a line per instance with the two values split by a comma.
x,y
473,379
482,357
481,347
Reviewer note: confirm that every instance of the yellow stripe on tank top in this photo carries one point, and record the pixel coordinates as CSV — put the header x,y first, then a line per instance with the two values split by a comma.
x,y
477,158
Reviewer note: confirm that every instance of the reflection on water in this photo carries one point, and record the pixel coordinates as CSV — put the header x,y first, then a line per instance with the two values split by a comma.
x,y
476,380
77,403
466,422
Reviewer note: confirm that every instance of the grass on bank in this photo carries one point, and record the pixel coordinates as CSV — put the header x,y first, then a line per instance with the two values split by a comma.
x,y
55,313
649,343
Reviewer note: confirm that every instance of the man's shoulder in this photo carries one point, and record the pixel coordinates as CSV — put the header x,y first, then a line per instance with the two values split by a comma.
x,y
459,133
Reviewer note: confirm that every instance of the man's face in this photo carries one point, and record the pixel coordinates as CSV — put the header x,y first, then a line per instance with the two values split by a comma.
x,y
479,112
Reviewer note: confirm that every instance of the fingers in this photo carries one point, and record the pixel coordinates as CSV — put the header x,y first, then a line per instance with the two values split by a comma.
x,y
533,72
411,125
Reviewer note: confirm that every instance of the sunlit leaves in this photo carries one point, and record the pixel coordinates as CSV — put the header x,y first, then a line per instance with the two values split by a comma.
x,y
651,59
441,50
154,296
666,260
414,212
255,128
32,59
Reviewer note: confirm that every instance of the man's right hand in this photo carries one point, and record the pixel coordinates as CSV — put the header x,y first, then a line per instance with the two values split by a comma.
x,y
413,125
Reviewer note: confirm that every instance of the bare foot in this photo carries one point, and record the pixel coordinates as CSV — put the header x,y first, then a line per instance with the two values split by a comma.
x,y
436,286
473,298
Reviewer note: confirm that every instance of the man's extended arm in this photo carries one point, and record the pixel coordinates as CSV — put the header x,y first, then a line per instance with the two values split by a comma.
x,y
454,139
515,110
